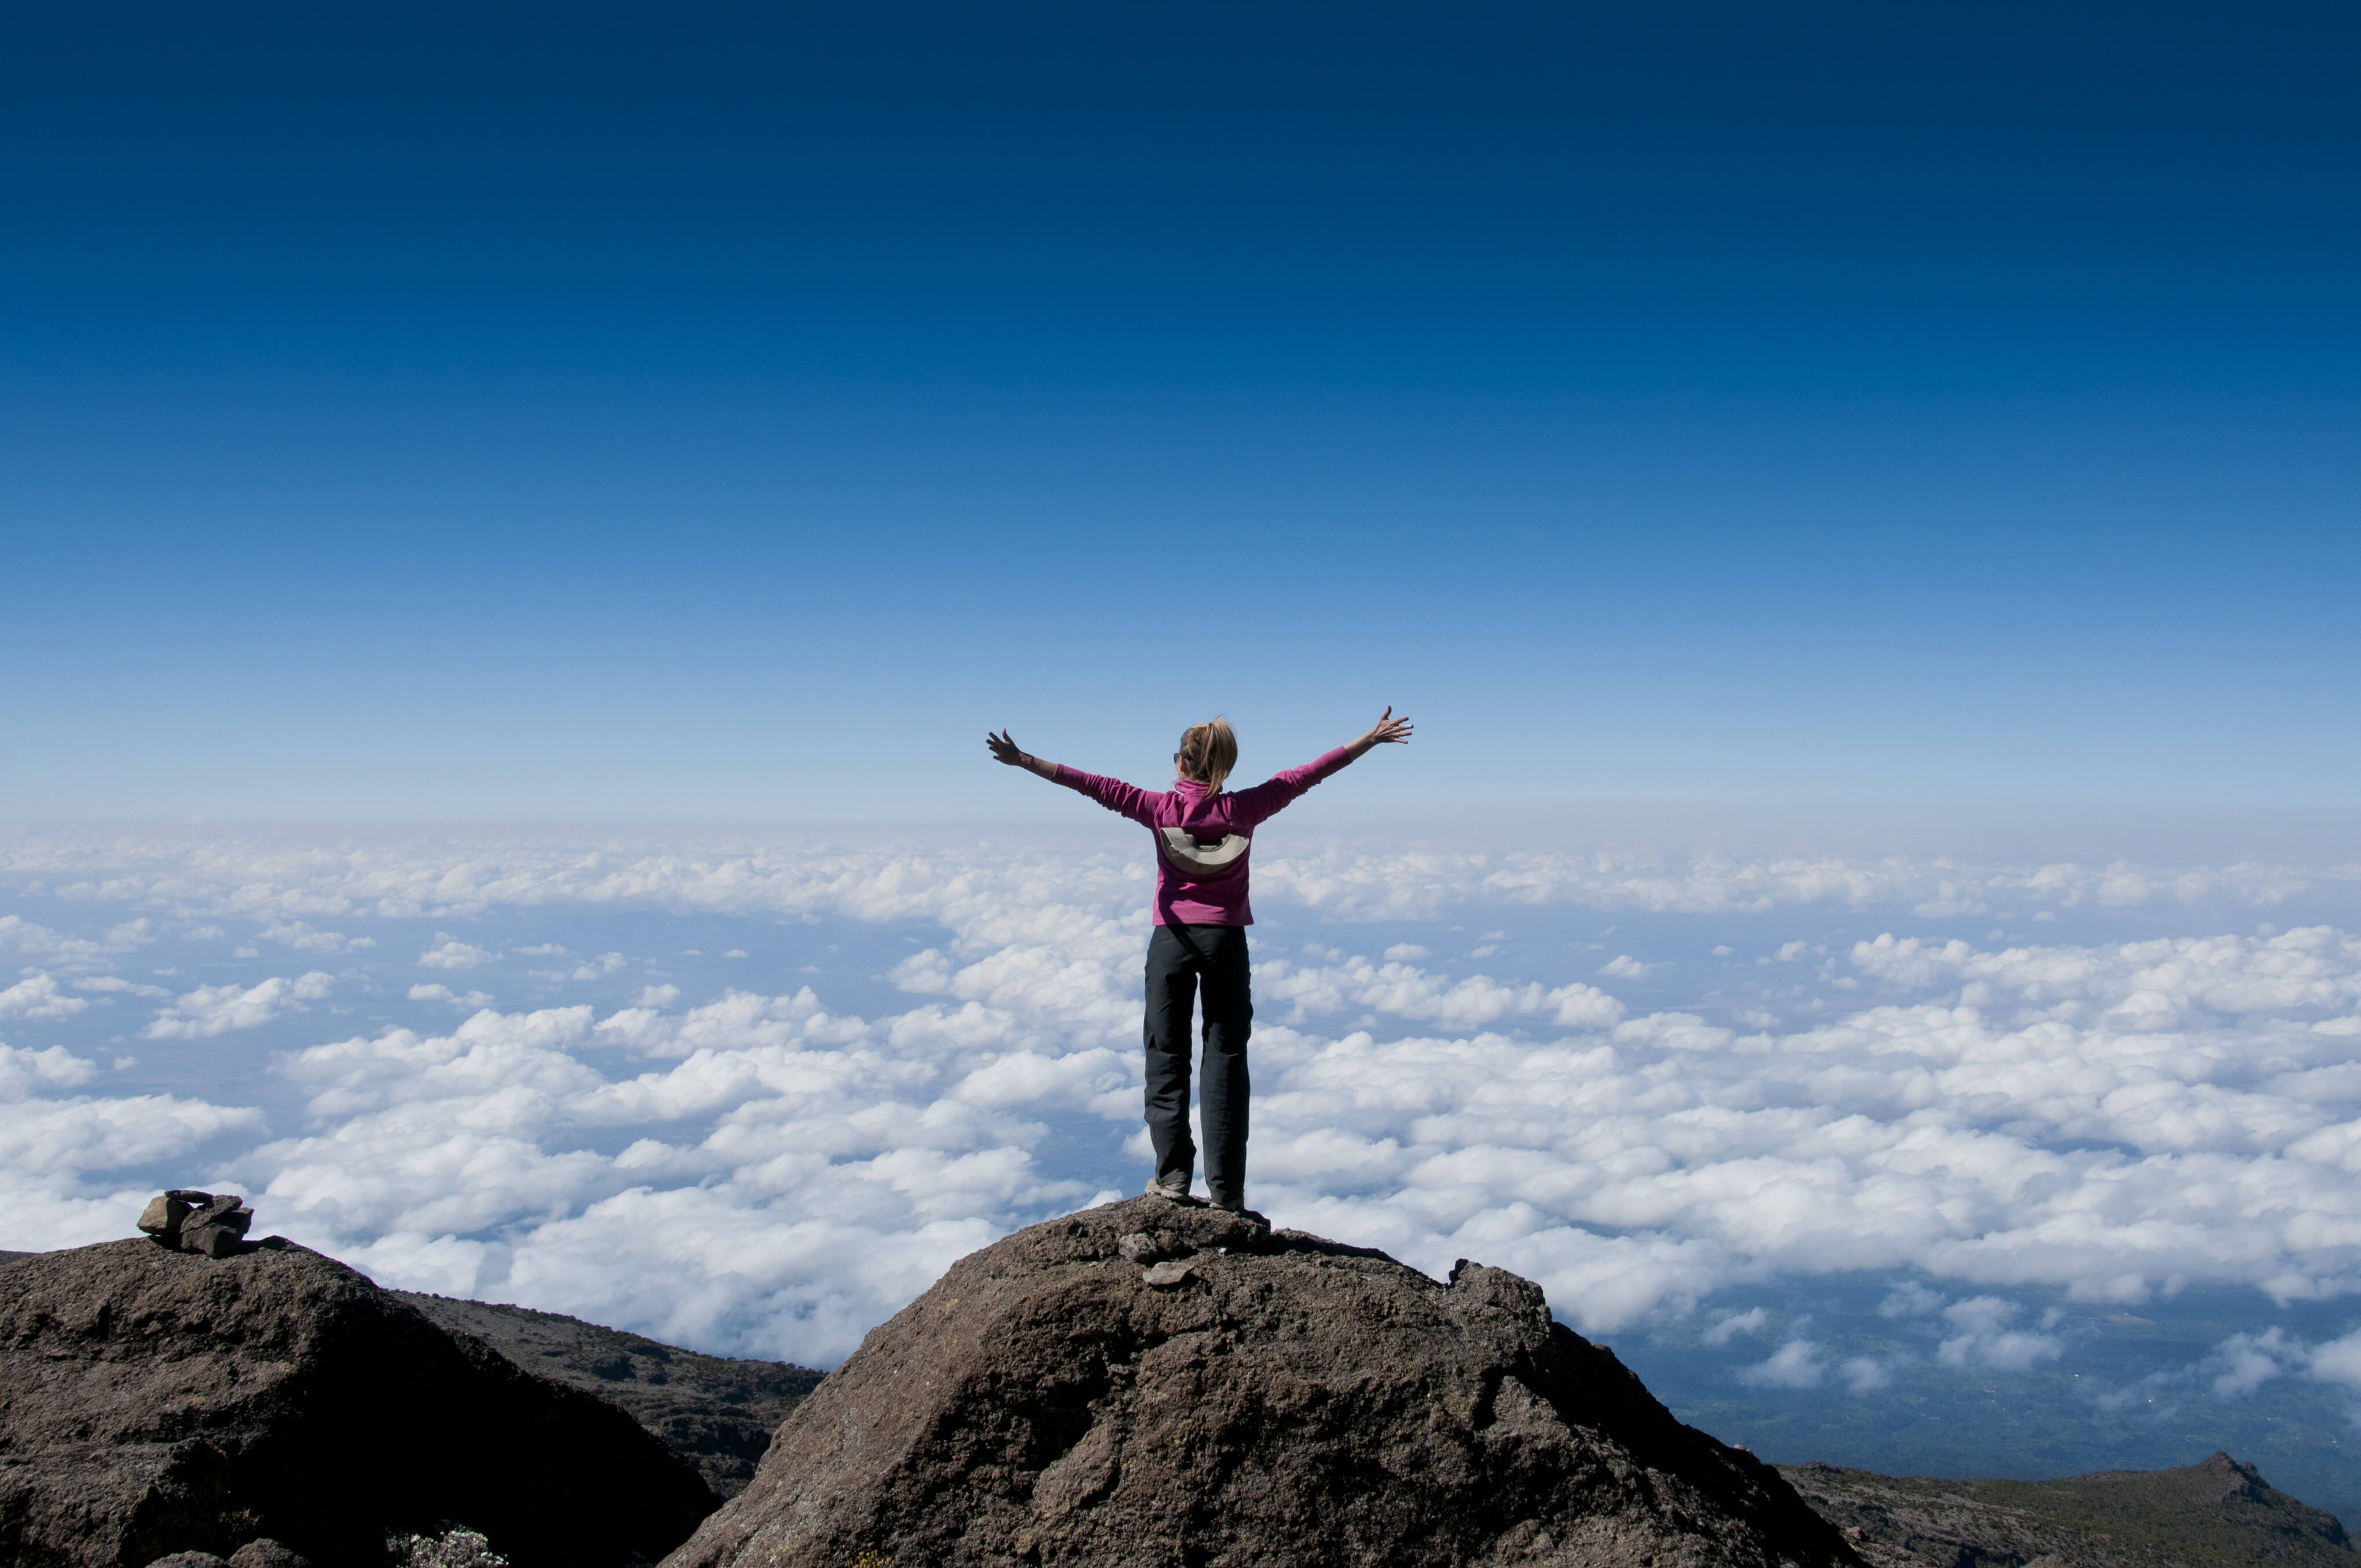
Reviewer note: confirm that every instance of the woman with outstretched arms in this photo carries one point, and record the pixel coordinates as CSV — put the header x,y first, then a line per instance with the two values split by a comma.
x,y
1204,836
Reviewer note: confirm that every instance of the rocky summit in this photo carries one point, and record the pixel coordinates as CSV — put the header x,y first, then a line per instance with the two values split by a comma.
x,y
1156,1385
200,1393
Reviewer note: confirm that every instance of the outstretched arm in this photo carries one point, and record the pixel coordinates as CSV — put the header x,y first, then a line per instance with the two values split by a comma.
x,y
1004,750
1113,794
1264,801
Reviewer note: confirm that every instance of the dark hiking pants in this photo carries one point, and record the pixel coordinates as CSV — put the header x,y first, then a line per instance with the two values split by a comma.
x,y
1180,959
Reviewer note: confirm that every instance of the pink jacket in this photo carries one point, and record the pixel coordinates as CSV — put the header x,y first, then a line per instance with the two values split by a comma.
x,y
1202,839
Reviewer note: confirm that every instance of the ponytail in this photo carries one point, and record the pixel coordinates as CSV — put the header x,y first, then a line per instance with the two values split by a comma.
x,y
1209,750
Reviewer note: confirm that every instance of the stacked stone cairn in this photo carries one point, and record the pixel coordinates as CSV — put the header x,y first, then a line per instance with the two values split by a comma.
x,y
189,1221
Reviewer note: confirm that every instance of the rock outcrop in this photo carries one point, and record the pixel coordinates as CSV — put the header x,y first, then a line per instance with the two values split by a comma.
x,y
156,1400
1151,1385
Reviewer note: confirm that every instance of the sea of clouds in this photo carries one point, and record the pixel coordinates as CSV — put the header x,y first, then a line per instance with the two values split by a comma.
x,y
752,1092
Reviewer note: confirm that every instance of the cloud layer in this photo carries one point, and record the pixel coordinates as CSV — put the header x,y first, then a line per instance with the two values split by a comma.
x,y
754,1168
290,879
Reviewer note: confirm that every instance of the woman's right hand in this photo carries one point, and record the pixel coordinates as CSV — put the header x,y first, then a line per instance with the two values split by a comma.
x,y
1004,750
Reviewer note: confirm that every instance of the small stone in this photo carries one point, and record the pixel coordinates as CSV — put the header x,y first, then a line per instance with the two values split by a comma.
x,y
191,1560
166,1212
219,1228
267,1553
212,1241
1139,1247
1165,1275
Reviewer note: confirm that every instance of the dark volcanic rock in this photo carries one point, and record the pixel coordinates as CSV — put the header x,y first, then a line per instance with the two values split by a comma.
x,y
2219,1514
154,1401
716,1413
1292,1401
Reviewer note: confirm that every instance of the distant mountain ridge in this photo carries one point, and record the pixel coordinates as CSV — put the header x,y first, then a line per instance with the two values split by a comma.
x,y
716,1413
2215,1514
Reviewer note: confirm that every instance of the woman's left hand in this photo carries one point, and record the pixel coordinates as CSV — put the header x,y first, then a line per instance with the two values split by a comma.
x,y
1389,730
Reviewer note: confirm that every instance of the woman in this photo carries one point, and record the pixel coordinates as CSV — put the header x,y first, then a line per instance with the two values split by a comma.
x,y
1202,836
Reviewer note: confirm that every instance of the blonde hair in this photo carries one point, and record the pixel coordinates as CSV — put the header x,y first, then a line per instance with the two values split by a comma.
x,y
1209,750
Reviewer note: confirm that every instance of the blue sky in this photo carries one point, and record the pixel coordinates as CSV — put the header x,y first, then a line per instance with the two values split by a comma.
x,y
730,412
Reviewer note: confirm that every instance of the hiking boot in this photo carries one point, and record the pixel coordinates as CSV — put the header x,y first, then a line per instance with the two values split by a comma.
x,y
1237,1206
1175,1187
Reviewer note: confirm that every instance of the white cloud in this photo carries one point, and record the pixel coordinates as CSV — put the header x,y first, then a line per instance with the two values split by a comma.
x,y
25,1073
1796,1365
1910,1299
18,935
2248,1361
42,1139
1625,967
1863,1374
213,1010
297,935
2339,1361
828,1165
445,993
449,953
2107,1119
1404,990
927,972
1405,952
1747,1323
111,982
36,999
1983,1337
281,876
2149,983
